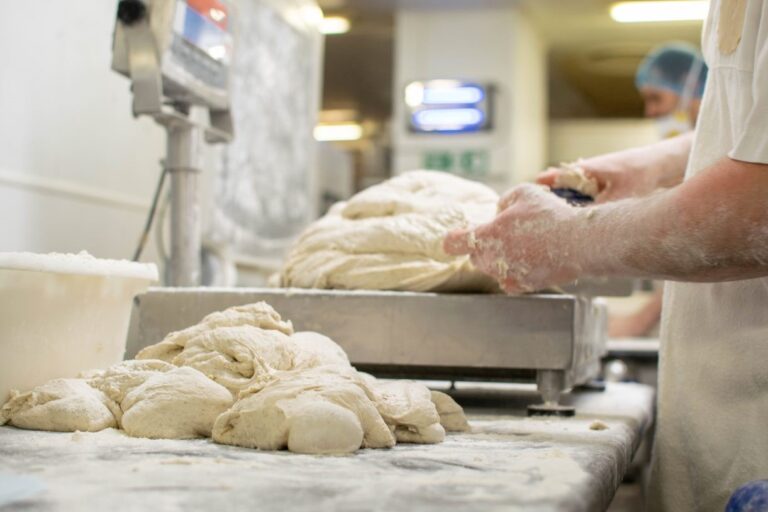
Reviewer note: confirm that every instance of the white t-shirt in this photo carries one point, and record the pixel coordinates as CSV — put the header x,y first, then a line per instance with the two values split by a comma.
x,y
712,433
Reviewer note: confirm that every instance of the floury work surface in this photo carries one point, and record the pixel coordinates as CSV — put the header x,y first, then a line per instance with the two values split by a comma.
x,y
506,463
407,334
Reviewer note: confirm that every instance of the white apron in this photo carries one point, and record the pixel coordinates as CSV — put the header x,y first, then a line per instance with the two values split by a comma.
x,y
712,430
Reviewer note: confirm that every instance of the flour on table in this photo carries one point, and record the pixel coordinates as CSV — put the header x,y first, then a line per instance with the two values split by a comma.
x,y
390,237
243,377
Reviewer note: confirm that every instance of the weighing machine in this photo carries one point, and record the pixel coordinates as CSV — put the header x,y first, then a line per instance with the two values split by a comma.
x,y
177,54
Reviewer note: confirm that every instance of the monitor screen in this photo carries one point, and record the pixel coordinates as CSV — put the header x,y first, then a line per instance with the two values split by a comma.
x,y
204,24
448,106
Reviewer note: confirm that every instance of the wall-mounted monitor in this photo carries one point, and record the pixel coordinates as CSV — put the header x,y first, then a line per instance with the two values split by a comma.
x,y
447,106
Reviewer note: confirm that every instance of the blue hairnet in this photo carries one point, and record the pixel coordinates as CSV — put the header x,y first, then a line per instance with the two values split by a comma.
x,y
667,67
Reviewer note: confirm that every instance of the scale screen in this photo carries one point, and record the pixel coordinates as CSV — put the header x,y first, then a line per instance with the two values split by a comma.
x,y
448,106
203,24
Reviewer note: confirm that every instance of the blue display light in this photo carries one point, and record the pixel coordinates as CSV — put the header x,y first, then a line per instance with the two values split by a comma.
x,y
448,119
460,95
448,106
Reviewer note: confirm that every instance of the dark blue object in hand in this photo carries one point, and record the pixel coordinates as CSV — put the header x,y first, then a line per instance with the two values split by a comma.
x,y
751,497
574,197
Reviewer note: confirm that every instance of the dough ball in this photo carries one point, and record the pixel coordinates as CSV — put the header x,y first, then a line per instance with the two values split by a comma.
x,y
263,417
180,404
259,314
62,405
390,237
314,349
322,427
407,408
451,414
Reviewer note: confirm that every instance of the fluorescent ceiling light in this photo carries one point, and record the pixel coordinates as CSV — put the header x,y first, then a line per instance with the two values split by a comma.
x,y
334,25
680,10
338,132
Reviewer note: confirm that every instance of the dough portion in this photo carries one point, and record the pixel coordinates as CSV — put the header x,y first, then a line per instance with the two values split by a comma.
x,y
314,349
573,177
451,414
321,410
119,379
407,408
236,357
61,405
259,314
235,347
179,404
390,236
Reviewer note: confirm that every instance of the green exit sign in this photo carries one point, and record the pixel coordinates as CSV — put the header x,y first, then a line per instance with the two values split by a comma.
x,y
471,163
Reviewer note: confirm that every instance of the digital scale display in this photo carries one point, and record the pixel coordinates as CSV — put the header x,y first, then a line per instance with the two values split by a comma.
x,y
448,106
205,25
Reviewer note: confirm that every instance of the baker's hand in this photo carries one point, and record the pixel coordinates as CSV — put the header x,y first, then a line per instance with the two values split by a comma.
x,y
615,179
533,243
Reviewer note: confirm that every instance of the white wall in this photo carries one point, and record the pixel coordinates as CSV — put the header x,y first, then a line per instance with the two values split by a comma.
x,y
571,139
76,170
497,45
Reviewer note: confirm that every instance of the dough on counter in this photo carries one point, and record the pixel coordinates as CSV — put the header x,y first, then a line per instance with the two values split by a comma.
x,y
259,314
573,177
179,404
314,349
243,377
61,405
235,347
407,408
236,357
390,237
324,410
452,416
121,378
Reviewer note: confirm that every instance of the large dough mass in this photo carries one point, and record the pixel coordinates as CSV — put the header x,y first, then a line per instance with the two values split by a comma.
x,y
390,237
243,377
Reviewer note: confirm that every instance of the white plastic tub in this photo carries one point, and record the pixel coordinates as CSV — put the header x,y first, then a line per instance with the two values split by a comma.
x,y
61,314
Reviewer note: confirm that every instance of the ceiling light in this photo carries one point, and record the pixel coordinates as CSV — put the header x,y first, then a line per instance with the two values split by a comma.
x,y
338,132
680,10
334,25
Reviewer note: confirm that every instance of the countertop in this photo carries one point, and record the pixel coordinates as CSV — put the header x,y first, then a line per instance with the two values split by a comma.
x,y
508,462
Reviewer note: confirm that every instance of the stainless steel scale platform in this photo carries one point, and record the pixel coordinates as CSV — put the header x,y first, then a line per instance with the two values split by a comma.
x,y
553,340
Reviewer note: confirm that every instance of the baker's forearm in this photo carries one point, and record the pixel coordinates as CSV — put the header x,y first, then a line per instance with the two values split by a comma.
x,y
714,227
662,163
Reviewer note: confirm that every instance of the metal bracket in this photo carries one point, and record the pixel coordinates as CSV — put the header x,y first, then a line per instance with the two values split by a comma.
x,y
144,68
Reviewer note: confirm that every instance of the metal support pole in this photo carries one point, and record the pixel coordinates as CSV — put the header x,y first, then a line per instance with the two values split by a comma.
x,y
181,160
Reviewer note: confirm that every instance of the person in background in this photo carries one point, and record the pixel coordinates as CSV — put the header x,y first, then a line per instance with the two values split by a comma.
x,y
671,82
707,236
